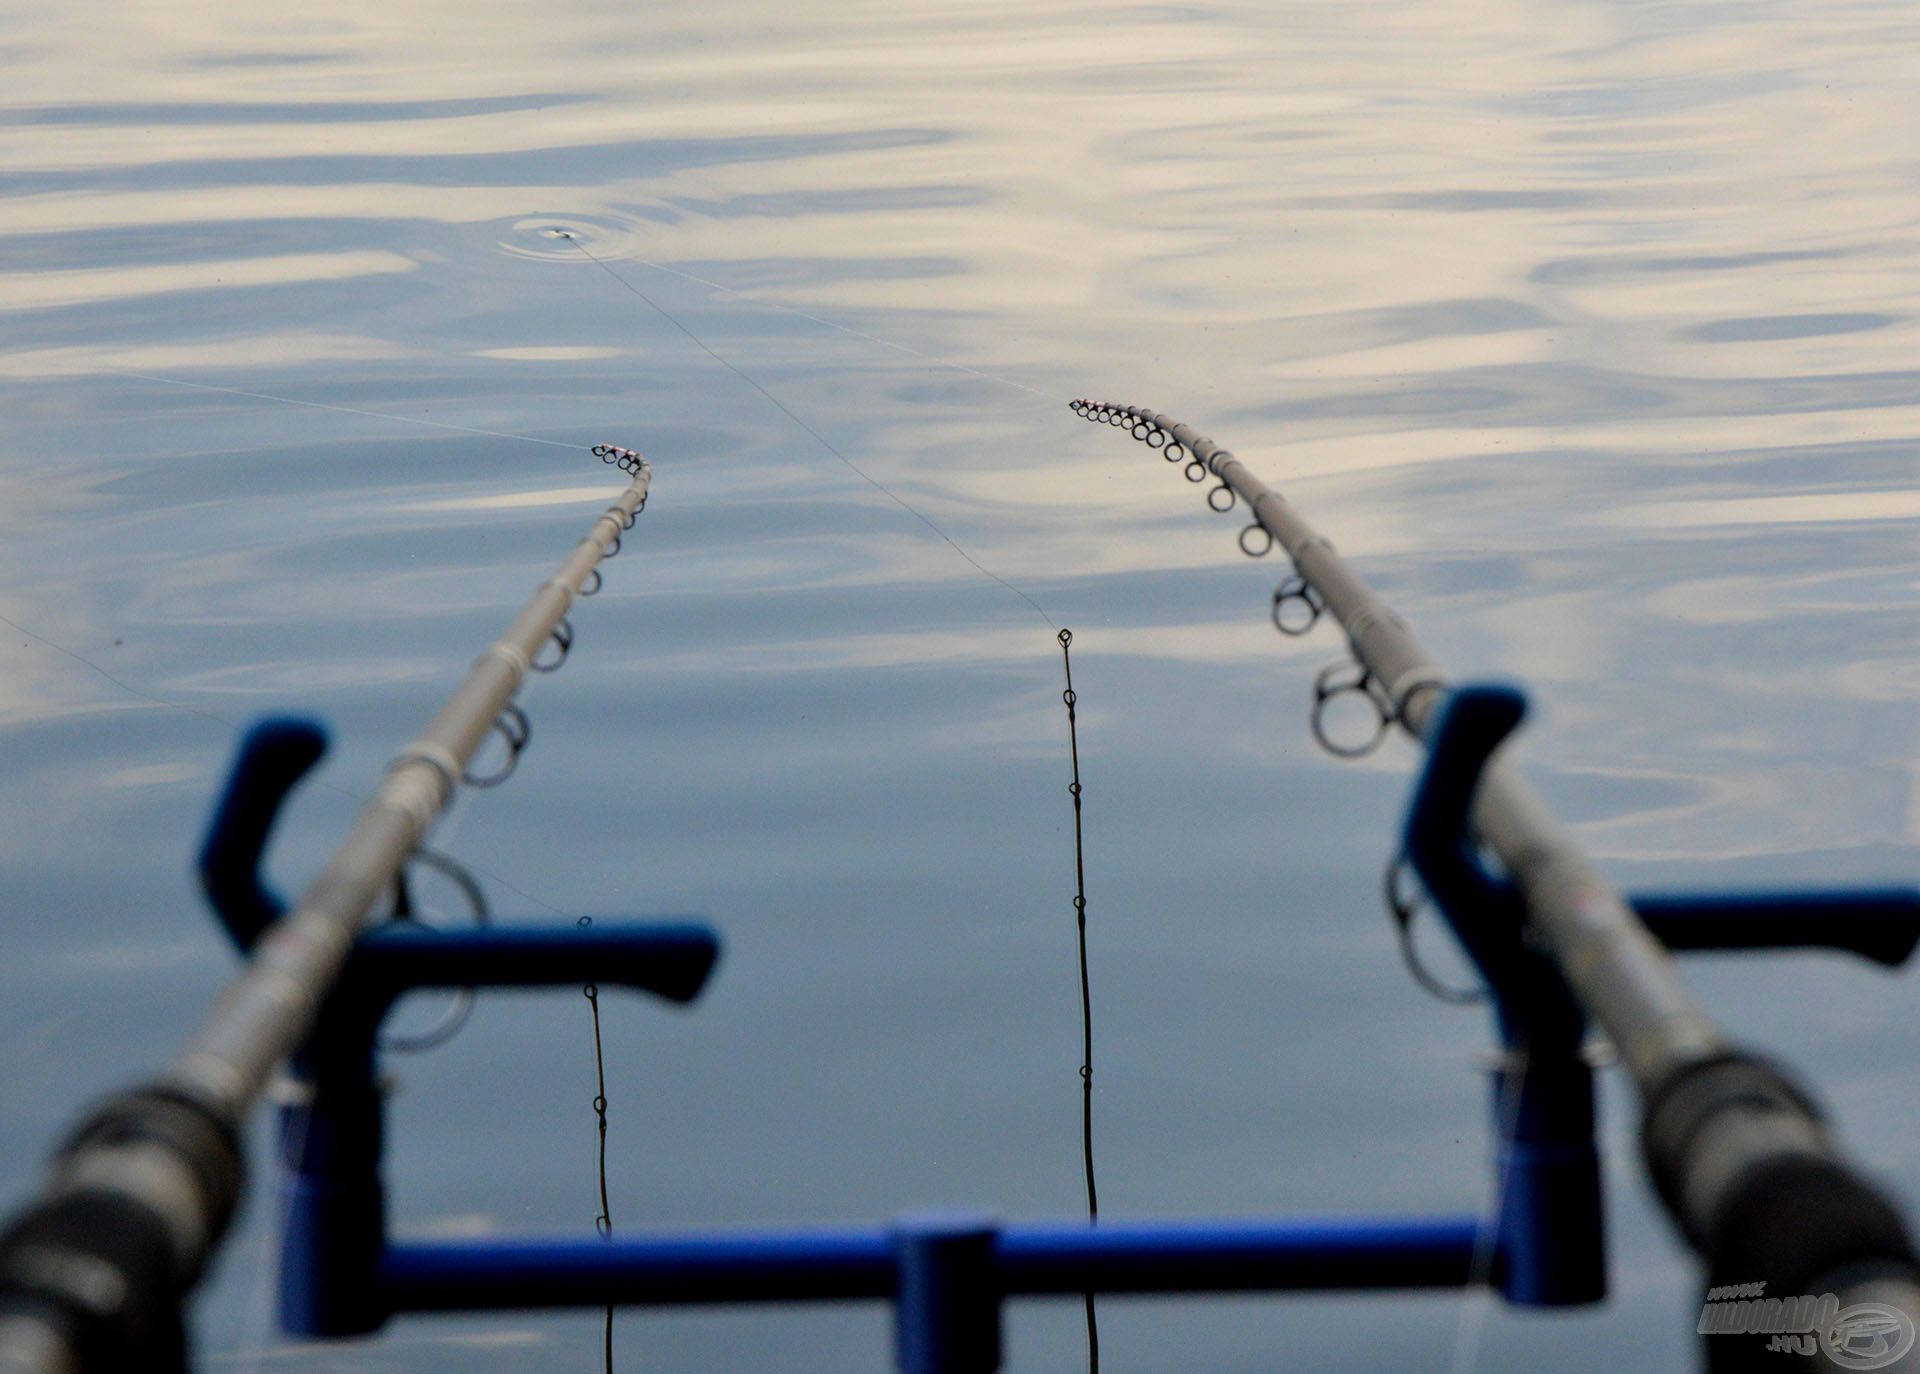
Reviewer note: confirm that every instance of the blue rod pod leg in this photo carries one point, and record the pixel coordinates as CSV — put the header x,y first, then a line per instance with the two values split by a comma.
x,y
1552,1234
947,1309
336,1204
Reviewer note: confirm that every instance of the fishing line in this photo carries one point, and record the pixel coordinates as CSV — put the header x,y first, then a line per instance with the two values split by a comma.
x,y
1086,996
1486,1241
603,1223
343,410
126,687
1297,606
257,1310
817,436
227,724
929,358
1065,638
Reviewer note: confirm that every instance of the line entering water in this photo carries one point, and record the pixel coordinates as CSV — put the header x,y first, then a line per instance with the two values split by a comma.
x,y
343,410
816,435
894,344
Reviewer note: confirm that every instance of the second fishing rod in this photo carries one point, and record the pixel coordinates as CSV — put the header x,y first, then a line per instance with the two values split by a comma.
x,y
1738,1151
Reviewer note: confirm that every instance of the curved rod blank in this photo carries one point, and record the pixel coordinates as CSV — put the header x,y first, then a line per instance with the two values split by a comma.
x,y
159,1167
265,1011
1727,1136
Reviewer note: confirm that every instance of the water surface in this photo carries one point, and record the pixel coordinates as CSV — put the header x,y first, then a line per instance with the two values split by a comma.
x,y
1586,330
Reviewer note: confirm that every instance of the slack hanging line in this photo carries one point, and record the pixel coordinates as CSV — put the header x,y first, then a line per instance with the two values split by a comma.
x,y
1086,995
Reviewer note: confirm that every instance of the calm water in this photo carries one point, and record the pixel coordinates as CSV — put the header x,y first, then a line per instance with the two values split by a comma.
x,y
1587,330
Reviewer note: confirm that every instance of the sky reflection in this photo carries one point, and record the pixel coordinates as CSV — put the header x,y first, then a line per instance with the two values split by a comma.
x,y
1587,332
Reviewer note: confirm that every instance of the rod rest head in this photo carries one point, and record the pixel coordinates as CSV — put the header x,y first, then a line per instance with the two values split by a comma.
x,y
1484,909
274,754
669,959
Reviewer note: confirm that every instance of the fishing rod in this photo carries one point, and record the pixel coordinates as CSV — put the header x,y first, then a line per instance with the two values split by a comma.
x,y
1739,1153
94,1273
95,1270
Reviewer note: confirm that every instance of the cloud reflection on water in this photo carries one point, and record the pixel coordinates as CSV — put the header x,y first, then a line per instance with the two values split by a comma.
x,y
1587,332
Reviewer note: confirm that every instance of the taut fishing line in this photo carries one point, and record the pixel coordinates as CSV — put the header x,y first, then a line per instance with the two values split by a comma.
x,y
894,344
256,1311
124,686
344,410
1065,638
1478,1297
515,732
222,721
815,434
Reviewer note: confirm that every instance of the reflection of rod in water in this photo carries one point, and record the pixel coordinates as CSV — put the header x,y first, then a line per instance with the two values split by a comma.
x,y
1739,1154
93,1274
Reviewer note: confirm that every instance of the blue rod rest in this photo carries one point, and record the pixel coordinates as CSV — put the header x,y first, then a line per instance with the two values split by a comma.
x,y
331,1144
1552,1227
1438,834
1878,923
273,755
332,1141
1551,1214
